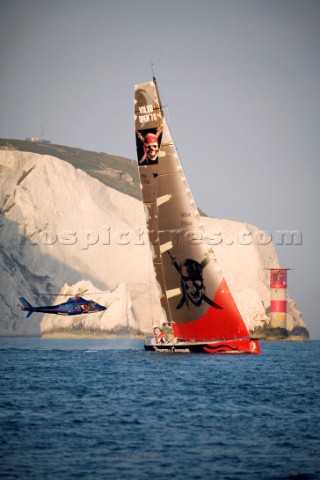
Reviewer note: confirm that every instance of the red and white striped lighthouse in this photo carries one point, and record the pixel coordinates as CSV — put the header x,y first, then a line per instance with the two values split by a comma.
x,y
278,307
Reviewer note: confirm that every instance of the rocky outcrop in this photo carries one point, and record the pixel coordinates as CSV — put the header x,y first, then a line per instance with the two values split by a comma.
x,y
60,226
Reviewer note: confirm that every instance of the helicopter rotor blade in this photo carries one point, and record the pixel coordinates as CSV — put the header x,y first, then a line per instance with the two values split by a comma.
x,y
70,294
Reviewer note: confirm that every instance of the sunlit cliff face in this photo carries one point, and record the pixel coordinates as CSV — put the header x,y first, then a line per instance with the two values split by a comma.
x,y
40,194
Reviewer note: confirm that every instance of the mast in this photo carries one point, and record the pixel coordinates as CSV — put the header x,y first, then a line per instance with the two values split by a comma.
x,y
158,95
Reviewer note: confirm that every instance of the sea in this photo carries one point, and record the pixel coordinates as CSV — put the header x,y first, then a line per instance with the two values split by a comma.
x,y
107,409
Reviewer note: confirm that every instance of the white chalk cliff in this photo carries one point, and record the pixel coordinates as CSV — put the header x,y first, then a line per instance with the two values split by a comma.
x,y
59,227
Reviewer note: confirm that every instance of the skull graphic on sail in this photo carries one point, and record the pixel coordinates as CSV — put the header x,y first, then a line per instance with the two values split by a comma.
x,y
192,282
149,147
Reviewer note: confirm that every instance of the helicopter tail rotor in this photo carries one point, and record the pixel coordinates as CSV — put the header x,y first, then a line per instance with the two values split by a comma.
x,y
25,305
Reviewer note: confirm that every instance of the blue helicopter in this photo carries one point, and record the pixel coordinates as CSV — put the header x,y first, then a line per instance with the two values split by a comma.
x,y
73,306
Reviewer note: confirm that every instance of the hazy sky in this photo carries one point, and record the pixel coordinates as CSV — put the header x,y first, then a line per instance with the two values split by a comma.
x,y
241,82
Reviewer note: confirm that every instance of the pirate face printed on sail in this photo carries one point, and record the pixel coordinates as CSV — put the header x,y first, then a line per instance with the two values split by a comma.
x,y
151,146
192,281
148,146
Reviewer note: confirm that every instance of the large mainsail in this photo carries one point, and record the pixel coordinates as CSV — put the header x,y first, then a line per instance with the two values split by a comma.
x,y
195,297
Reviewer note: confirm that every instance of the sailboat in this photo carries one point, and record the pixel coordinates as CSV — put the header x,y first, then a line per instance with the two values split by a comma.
x,y
199,312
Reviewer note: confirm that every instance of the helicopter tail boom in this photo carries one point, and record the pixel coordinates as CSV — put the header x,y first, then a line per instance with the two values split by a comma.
x,y
26,306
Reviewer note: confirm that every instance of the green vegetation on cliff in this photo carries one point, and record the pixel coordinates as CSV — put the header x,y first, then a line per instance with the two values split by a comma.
x,y
115,172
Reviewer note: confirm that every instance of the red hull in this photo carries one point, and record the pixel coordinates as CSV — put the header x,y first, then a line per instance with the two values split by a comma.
x,y
233,346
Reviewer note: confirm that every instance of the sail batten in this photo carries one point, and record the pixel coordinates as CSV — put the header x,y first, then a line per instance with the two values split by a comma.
x,y
194,294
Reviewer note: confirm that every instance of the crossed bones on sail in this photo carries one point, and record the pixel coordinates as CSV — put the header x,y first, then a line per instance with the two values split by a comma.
x,y
151,145
191,270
